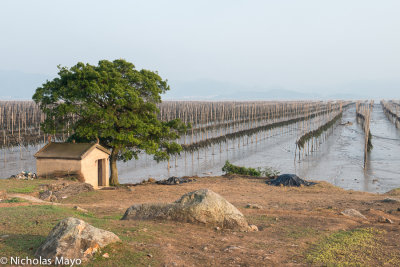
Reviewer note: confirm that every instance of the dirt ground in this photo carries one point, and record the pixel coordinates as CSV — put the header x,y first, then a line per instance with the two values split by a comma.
x,y
291,222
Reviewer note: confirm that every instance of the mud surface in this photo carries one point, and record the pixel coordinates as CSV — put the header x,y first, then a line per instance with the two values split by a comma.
x,y
339,160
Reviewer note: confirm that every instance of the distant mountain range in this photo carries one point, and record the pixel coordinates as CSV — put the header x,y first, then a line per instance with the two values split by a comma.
x,y
15,85
214,90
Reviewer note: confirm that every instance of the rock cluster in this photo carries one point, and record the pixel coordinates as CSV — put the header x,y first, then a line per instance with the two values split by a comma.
x,y
74,239
24,176
201,206
57,192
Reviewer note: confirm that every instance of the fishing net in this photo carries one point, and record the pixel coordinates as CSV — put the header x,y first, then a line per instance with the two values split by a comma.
x,y
289,180
175,180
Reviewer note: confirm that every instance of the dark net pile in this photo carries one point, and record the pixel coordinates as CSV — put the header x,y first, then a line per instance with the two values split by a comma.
x,y
175,180
289,180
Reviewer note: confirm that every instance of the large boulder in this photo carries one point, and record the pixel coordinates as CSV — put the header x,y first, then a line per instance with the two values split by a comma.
x,y
74,239
201,206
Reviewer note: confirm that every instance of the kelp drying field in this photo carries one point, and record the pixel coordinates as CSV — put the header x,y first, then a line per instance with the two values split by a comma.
x,y
212,122
305,137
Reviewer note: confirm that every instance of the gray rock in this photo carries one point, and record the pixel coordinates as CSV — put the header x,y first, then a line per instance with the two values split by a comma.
x,y
74,239
201,206
353,213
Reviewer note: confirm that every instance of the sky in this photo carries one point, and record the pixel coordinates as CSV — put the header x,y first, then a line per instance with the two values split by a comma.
x,y
311,47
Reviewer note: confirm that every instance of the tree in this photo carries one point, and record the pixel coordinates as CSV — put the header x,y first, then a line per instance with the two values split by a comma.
x,y
114,103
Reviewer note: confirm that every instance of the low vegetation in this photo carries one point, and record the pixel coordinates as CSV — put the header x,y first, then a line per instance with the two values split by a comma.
x,y
358,247
229,168
22,186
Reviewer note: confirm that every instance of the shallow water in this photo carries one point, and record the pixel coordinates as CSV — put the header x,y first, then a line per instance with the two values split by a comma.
x,y
339,160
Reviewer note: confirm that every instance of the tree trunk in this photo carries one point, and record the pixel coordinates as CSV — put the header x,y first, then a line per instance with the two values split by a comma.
x,y
113,167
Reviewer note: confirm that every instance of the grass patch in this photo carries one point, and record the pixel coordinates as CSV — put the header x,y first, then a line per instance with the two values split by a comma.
x,y
23,190
394,192
14,200
21,186
27,227
120,256
296,232
346,248
83,197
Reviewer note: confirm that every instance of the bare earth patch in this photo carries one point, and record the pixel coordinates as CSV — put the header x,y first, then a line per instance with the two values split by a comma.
x,y
294,224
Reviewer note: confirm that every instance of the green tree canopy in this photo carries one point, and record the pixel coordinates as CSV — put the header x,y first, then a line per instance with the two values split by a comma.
x,y
113,102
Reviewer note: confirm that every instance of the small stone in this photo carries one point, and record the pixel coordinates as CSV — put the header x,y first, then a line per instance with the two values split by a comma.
x,y
231,248
382,219
217,228
149,255
353,213
253,228
131,188
80,209
105,255
253,206
205,248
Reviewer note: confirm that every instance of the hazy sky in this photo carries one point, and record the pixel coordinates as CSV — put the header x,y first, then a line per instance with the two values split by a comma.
x,y
299,45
